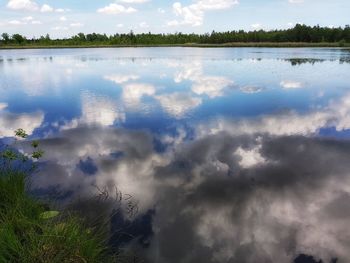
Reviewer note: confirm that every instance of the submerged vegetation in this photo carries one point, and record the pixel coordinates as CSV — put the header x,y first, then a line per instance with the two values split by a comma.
x,y
300,35
29,232
32,232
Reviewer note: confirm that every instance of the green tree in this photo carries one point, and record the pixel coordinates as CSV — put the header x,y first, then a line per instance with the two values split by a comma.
x,y
5,37
82,36
300,33
18,39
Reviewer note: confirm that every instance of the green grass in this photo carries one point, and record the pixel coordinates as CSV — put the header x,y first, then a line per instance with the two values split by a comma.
x,y
28,233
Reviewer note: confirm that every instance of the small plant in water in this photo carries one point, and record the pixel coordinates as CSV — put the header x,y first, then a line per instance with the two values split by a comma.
x,y
37,154
11,158
9,155
20,133
35,144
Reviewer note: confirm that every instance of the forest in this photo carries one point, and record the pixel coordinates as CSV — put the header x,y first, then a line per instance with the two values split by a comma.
x,y
298,34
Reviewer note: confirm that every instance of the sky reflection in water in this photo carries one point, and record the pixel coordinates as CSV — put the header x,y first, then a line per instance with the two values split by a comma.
x,y
240,154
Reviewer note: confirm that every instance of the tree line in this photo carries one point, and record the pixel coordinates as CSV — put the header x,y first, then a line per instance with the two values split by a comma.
x,y
300,33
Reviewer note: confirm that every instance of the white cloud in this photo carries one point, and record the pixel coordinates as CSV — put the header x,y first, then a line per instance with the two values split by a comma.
x,y
134,1
296,1
143,25
63,18
16,22
76,24
24,21
288,84
194,14
173,23
161,10
256,26
27,18
59,28
27,5
61,10
120,25
46,9
114,9
191,15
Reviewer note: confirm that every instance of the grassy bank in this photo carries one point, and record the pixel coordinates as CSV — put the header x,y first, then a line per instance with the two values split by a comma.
x,y
235,44
30,232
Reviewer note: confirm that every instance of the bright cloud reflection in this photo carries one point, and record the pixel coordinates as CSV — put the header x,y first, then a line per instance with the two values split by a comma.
x,y
177,104
9,122
97,110
212,86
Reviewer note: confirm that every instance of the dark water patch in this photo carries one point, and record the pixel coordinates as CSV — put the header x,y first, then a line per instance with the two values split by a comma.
x,y
88,166
302,258
138,229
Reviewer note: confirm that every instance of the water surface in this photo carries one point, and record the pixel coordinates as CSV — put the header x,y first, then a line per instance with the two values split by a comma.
x,y
231,154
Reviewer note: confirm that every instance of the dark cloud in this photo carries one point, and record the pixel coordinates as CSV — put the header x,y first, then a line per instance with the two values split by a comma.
x,y
75,153
210,202
227,212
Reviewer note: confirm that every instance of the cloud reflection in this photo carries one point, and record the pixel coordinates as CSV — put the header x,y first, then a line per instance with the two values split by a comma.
x,y
232,198
178,104
34,78
287,84
98,110
119,79
251,89
134,92
336,114
234,195
9,122
3,106
212,86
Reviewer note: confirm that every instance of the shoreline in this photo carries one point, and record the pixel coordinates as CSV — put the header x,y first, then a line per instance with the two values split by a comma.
x,y
226,45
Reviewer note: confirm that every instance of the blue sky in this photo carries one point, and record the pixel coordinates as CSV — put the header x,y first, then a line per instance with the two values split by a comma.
x,y
67,17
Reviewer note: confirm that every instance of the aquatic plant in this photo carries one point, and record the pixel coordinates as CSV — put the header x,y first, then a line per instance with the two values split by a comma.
x,y
32,232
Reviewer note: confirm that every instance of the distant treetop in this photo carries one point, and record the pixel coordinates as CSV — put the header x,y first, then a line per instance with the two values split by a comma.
x,y
300,33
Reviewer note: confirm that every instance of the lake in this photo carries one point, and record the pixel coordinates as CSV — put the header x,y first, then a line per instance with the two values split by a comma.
x,y
218,154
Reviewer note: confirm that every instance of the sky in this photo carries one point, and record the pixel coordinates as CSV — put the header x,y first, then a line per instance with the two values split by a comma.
x,y
65,18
